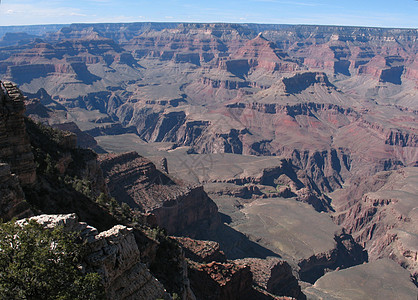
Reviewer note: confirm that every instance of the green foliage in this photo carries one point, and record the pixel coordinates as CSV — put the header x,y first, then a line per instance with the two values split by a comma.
x,y
50,165
38,263
122,213
157,233
82,186
125,209
48,149
175,296
102,199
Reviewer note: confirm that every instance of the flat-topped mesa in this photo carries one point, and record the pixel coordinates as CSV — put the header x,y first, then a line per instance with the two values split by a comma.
x,y
15,147
301,81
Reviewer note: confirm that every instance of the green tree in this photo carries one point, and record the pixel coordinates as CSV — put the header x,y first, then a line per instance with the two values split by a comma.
x,y
38,263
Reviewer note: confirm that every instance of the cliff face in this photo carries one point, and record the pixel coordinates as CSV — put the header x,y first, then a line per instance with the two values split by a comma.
x,y
14,143
240,78
217,280
17,165
113,254
13,203
175,206
69,179
382,219
274,275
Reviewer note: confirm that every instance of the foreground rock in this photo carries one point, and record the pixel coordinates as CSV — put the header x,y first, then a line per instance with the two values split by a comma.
x,y
381,279
113,254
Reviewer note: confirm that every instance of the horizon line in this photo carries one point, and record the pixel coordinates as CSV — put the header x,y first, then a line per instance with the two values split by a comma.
x,y
217,22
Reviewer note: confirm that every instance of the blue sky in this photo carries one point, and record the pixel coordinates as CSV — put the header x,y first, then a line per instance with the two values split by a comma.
x,y
383,13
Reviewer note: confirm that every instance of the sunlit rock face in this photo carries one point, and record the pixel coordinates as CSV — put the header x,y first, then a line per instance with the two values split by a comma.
x,y
114,255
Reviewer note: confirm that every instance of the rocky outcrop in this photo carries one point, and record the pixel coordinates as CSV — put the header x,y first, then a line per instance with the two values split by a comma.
x,y
304,109
273,275
111,129
400,138
176,207
260,53
84,140
226,84
217,280
347,253
201,251
15,148
114,255
301,81
403,137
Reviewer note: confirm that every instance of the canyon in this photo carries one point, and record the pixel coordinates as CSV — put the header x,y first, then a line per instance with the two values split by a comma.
x,y
277,155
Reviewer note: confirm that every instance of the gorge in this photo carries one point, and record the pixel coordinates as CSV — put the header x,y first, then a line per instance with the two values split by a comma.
x,y
280,160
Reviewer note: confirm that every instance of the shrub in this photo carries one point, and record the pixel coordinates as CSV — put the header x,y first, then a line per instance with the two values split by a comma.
x,y
38,263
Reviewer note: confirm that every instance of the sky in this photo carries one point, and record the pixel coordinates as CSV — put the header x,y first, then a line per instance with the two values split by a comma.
x,y
383,13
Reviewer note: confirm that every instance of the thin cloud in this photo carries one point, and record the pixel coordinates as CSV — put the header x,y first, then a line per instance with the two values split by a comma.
x,y
100,1
291,3
26,14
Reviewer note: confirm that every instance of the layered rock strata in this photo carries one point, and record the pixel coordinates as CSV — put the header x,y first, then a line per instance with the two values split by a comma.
x,y
176,207
381,216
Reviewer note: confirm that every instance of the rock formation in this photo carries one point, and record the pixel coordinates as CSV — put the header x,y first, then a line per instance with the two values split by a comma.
x,y
201,251
274,275
382,217
113,254
176,207
221,281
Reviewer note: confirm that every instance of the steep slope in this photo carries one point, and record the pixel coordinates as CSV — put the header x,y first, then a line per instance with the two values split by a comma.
x,y
15,147
70,180
382,216
113,254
